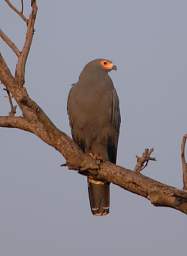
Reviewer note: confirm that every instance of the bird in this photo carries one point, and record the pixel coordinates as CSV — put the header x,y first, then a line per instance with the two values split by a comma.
x,y
94,118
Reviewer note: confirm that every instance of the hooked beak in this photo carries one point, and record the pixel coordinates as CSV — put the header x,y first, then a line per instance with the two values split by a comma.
x,y
114,67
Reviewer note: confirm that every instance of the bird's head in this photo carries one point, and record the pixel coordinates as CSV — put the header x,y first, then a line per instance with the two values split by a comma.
x,y
97,68
107,65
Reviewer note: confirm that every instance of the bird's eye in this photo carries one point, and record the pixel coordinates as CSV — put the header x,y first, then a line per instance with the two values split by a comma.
x,y
106,65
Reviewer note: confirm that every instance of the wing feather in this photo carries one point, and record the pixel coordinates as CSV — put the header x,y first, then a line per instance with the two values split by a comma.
x,y
115,122
74,132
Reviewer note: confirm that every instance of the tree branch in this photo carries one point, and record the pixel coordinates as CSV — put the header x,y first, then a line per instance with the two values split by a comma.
x,y
20,67
16,122
22,7
143,161
183,161
19,13
9,42
158,193
6,76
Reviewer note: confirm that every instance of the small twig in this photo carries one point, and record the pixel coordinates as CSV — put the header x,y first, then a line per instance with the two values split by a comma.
x,y
12,107
22,7
9,42
19,13
183,160
142,161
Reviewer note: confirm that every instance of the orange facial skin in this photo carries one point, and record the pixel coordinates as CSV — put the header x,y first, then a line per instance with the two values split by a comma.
x,y
107,65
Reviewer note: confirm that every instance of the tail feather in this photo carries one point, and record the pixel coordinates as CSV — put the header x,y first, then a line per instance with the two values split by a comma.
x,y
99,196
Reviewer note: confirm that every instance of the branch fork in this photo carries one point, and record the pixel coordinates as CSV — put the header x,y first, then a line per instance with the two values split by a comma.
x,y
19,13
143,160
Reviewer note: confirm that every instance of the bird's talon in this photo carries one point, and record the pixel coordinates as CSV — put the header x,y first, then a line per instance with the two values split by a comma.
x,y
96,157
87,165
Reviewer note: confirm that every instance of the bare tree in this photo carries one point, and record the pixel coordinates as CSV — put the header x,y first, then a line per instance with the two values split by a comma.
x,y
34,120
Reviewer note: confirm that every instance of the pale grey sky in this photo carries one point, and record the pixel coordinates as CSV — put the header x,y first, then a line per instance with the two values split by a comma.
x,y
44,209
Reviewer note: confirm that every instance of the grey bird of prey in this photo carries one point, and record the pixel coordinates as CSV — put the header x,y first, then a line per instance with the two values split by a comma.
x,y
94,115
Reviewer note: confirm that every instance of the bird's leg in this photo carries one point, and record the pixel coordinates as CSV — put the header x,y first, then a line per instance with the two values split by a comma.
x,y
89,164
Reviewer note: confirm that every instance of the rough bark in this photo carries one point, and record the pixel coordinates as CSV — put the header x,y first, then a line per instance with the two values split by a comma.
x,y
34,120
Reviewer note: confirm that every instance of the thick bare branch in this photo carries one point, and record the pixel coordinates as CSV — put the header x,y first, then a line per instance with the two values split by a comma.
x,y
183,161
20,13
20,67
9,42
16,122
158,193
6,76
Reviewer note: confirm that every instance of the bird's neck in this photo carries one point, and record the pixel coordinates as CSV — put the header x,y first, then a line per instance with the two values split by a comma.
x,y
93,78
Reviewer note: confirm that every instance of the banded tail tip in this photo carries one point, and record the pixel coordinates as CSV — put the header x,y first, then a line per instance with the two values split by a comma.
x,y
100,212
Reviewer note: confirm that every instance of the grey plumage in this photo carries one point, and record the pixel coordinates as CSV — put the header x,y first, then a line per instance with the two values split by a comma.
x,y
94,115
